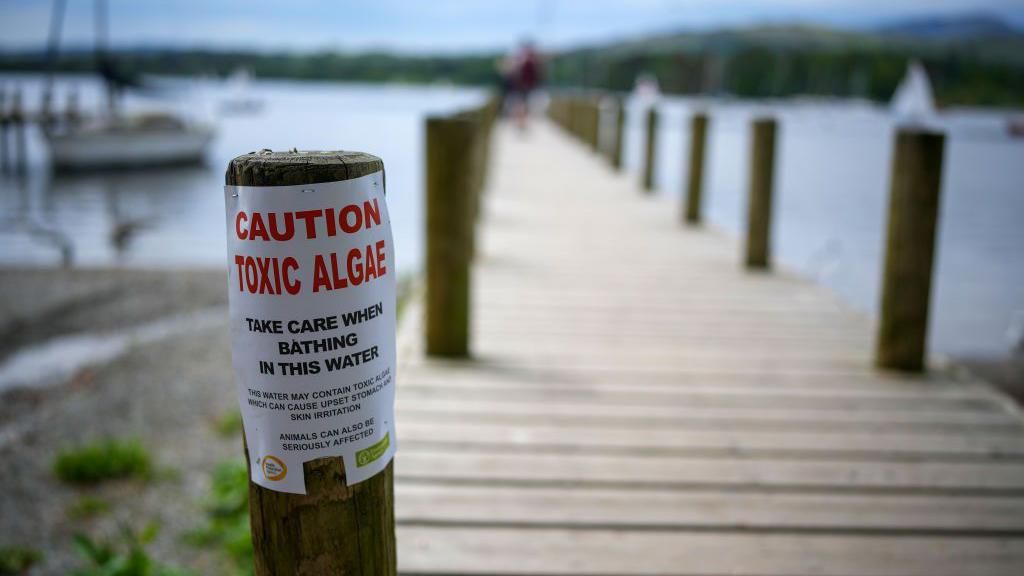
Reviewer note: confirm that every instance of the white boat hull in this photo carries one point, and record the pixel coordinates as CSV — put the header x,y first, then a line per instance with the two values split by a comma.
x,y
86,150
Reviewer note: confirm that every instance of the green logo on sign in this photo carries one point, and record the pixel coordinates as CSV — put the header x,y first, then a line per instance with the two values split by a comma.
x,y
368,455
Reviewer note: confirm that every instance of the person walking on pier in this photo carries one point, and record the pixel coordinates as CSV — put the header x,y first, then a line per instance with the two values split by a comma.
x,y
526,77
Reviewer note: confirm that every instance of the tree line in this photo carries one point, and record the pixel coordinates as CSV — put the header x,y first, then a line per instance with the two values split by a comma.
x,y
960,76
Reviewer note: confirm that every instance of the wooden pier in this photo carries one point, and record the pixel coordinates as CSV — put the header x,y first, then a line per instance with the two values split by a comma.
x,y
639,404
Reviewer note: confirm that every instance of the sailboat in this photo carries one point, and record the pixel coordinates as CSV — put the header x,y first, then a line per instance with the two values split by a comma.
x,y
913,101
117,139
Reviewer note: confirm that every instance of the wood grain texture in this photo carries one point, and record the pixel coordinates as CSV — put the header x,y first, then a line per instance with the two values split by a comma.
x,y
635,406
333,528
451,172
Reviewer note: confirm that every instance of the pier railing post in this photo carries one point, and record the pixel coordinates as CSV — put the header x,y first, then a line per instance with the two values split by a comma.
x,y
620,129
564,114
762,177
558,111
490,112
695,177
914,197
650,148
574,116
594,123
334,528
449,227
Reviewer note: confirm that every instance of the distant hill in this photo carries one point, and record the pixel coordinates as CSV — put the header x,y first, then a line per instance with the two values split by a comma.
x,y
972,59
972,26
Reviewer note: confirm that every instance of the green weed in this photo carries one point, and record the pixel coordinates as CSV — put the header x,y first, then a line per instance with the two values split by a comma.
x,y
227,510
229,423
125,556
103,460
88,507
15,560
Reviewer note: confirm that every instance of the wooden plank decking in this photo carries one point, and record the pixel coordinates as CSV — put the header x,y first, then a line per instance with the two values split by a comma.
x,y
639,405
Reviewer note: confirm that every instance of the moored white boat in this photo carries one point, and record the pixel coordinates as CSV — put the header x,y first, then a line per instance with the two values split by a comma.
x,y
139,141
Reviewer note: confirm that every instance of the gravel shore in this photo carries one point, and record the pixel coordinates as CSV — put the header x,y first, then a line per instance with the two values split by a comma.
x,y
166,392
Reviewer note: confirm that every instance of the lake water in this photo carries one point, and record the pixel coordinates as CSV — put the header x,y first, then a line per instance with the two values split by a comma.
x,y
180,211
831,186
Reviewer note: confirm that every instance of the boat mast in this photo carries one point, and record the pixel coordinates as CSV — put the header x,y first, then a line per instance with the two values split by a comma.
x,y
52,48
102,55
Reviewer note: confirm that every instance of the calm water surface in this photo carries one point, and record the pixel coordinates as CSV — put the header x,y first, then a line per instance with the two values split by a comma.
x,y
831,185
831,182
178,213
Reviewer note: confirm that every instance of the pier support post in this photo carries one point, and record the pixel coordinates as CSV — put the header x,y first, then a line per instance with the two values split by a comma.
x,y
594,123
762,177
449,227
333,528
695,178
575,117
650,148
914,197
620,129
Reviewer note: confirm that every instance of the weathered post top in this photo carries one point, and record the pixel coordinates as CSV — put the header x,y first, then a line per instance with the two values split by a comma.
x,y
268,168
335,527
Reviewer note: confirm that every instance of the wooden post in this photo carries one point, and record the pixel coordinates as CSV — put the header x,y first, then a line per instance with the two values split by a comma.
x,y
477,160
334,528
650,148
449,227
762,176
593,110
577,117
620,129
695,178
914,196
490,113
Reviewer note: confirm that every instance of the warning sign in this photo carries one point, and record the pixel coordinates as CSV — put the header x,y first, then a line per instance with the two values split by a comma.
x,y
312,303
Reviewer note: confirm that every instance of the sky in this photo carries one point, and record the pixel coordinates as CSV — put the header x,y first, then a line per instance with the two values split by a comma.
x,y
440,25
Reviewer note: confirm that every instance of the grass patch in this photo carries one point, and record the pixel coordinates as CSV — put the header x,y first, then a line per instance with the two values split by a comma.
x,y
15,560
227,516
88,507
124,556
229,423
103,460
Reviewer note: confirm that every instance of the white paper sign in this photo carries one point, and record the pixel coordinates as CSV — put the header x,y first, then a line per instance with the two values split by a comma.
x,y
312,304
